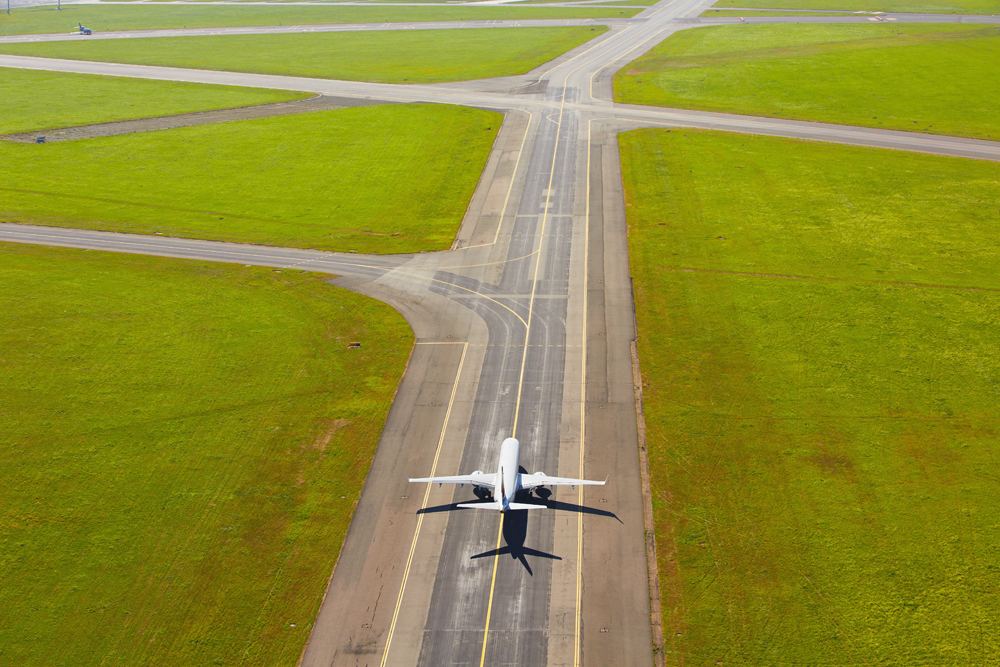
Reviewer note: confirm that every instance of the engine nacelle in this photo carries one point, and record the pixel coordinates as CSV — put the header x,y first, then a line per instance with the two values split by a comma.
x,y
539,474
478,472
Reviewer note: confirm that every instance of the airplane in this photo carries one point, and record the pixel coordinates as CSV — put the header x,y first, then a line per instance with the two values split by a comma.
x,y
507,480
84,31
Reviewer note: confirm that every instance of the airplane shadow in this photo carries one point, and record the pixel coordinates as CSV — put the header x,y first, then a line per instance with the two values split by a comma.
x,y
582,509
439,508
515,527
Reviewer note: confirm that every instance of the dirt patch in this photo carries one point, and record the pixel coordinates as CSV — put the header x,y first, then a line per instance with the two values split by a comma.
x,y
318,103
323,440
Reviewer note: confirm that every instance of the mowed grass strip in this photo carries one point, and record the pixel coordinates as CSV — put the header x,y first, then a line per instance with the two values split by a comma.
x,y
46,19
381,179
418,56
183,444
922,78
818,329
34,100
917,6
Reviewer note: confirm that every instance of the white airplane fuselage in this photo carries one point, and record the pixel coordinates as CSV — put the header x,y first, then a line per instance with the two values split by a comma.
x,y
507,472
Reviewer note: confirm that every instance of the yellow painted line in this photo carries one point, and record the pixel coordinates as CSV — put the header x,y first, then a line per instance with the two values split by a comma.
x,y
513,175
577,644
471,266
493,584
524,356
420,517
538,262
472,291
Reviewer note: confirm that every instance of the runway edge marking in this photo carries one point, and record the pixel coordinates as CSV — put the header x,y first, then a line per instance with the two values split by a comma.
x,y
420,517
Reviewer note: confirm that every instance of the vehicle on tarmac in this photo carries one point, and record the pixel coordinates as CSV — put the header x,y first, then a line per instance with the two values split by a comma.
x,y
84,31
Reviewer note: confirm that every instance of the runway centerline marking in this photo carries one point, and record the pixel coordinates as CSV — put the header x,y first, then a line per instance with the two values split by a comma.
x,y
527,335
420,517
493,583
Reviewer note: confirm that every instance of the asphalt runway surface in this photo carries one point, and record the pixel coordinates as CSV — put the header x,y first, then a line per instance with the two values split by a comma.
x,y
300,29
524,328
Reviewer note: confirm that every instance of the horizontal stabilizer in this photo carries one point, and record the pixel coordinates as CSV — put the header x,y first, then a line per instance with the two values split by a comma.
x,y
480,506
526,506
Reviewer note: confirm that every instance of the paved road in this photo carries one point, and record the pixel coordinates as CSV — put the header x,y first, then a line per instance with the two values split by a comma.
x,y
523,329
300,29
520,93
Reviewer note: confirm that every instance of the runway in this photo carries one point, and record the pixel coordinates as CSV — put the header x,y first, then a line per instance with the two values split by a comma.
x,y
523,329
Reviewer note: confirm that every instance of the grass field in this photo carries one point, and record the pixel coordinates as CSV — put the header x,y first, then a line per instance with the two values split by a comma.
x,y
417,56
715,13
182,444
873,75
35,100
381,179
818,327
918,6
46,19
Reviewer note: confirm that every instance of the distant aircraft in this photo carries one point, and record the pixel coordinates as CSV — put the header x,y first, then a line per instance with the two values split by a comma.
x,y
507,480
85,31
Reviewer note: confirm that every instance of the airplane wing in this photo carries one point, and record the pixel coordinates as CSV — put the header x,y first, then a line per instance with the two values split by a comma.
x,y
541,479
476,479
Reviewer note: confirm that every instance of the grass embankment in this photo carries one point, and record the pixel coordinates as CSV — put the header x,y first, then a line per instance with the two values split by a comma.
x,y
182,445
917,6
381,179
43,100
46,19
418,56
922,78
818,328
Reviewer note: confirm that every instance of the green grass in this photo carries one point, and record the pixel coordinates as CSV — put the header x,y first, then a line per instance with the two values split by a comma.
x,y
34,100
818,328
918,6
35,20
715,13
923,78
381,179
418,56
183,444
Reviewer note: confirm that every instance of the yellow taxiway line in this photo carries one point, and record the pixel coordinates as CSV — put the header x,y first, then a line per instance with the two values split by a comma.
x,y
420,517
